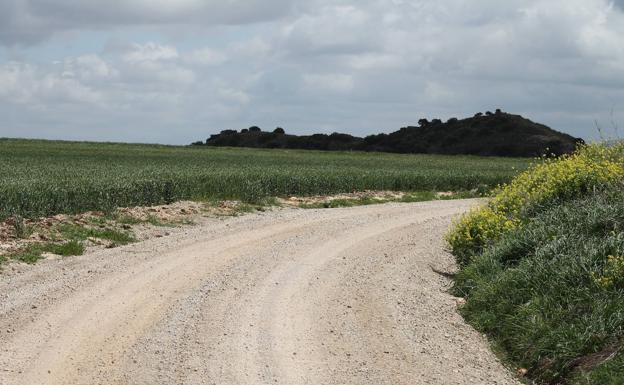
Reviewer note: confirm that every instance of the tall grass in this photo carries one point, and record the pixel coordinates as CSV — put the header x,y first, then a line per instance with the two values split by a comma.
x,y
536,294
39,178
549,287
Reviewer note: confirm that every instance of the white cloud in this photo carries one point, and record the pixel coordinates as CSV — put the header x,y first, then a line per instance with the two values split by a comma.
x,y
24,84
329,82
155,67
139,53
89,67
438,92
376,61
233,95
30,21
358,66
256,47
332,30
206,57
16,82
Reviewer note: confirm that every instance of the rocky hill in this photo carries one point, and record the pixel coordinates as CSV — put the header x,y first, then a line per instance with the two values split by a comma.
x,y
489,134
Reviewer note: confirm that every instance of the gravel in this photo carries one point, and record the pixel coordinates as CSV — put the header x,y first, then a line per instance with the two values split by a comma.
x,y
340,296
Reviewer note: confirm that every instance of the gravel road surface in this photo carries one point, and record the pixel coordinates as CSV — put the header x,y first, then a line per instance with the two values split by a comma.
x,y
336,296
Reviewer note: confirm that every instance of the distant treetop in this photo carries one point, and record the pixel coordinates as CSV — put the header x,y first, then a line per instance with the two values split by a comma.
x,y
492,134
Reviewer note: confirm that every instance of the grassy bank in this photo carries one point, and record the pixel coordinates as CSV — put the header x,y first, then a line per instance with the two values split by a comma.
x,y
41,178
543,269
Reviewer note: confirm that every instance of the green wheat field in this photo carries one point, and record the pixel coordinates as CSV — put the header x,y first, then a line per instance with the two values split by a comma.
x,y
42,178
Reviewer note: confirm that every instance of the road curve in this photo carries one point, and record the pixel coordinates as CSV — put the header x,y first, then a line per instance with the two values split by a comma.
x,y
340,296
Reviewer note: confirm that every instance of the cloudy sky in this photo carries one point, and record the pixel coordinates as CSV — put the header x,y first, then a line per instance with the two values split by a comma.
x,y
174,71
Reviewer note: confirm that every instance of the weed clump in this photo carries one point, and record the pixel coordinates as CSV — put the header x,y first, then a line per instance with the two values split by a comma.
x,y
20,229
82,233
34,252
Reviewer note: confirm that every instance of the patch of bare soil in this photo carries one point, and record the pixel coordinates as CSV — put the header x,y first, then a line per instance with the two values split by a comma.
x,y
17,234
381,196
140,222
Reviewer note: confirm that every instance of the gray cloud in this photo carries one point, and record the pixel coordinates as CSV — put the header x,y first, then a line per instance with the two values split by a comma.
x,y
30,21
318,65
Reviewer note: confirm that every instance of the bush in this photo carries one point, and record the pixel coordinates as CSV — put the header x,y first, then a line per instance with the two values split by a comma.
x,y
550,293
476,230
592,168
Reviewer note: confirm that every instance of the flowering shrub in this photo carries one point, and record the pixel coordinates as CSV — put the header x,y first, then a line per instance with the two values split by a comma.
x,y
613,274
548,296
476,229
590,168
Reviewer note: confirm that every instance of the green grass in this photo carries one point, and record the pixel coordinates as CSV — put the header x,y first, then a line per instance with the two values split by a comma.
x,y
335,203
535,294
66,249
32,253
611,373
82,233
70,242
42,178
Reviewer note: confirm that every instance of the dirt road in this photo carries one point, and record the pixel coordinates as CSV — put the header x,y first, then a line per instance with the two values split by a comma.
x,y
341,296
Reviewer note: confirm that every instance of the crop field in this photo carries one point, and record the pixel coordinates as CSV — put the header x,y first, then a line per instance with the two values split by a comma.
x,y
41,178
